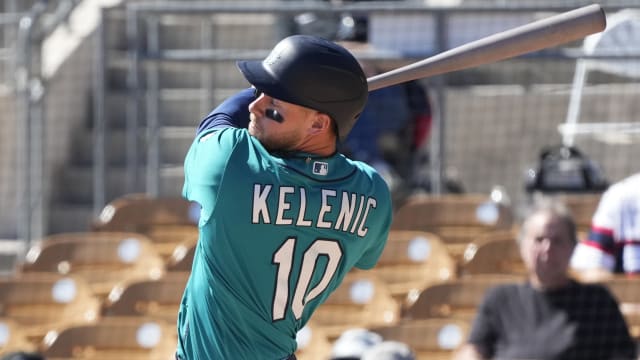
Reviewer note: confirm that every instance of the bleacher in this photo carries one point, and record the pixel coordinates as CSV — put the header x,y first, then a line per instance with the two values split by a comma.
x,y
91,294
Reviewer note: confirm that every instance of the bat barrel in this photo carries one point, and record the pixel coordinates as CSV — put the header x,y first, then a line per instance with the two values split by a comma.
x,y
545,33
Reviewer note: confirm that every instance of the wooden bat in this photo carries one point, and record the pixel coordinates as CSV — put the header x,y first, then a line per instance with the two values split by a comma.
x,y
555,30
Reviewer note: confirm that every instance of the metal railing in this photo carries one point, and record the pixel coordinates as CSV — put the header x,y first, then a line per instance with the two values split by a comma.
x,y
30,90
9,24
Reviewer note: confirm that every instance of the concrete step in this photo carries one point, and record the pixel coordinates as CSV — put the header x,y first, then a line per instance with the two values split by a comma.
x,y
222,30
78,183
68,217
22,6
178,107
178,75
174,143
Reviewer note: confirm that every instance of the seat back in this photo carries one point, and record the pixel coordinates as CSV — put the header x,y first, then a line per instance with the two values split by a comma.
x,y
114,338
457,219
182,257
457,298
362,300
41,302
153,298
313,343
411,261
497,253
135,212
13,337
167,221
432,338
424,212
102,258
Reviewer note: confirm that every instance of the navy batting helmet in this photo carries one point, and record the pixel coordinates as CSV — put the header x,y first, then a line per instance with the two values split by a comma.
x,y
315,73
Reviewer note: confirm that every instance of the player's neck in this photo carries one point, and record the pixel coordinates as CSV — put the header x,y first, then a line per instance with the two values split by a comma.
x,y
318,145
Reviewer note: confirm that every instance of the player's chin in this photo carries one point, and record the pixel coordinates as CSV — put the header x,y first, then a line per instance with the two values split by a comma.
x,y
258,133
254,129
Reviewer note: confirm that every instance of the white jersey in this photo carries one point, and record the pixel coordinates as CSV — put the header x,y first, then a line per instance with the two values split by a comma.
x,y
614,239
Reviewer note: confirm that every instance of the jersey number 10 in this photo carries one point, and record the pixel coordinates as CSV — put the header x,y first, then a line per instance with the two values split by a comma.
x,y
283,258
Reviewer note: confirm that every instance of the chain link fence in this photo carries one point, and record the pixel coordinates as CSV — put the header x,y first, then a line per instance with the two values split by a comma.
x,y
116,112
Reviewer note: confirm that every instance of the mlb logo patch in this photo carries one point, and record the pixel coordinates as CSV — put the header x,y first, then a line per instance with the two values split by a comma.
x,y
320,168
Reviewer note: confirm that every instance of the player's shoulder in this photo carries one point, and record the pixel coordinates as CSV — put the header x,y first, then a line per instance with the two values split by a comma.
x,y
631,184
361,166
624,189
368,171
228,137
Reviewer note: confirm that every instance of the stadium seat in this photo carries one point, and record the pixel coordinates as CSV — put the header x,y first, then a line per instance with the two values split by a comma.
x,y
411,261
457,219
134,338
457,298
167,221
495,253
102,258
13,337
153,298
430,339
182,257
362,300
313,343
42,302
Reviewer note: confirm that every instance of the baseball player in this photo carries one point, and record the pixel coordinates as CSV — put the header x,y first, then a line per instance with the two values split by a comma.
x,y
613,244
283,216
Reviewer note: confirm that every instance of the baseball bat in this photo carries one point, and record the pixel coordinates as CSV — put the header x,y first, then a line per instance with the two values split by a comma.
x,y
549,32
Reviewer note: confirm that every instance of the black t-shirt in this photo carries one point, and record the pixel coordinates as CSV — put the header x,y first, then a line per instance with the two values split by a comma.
x,y
578,321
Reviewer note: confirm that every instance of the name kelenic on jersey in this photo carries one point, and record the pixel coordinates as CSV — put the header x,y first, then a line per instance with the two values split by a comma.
x,y
339,210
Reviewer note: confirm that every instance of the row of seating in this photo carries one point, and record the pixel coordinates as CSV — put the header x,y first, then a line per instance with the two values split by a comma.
x,y
135,338
38,309
411,260
46,309
456,220
60,316
136,260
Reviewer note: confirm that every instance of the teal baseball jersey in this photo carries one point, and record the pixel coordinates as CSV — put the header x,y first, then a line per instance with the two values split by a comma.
x,y
277,235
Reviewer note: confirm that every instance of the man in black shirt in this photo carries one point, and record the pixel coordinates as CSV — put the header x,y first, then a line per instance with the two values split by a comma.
x,y
550,316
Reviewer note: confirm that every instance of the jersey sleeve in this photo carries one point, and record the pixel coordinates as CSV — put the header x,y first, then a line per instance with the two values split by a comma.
x,y
205,165
381,230
597,251
233,112
208,155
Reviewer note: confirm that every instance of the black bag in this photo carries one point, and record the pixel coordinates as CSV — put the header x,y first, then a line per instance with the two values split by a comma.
x,y
565,169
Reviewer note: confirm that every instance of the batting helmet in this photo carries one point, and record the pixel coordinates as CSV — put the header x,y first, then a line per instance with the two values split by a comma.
x,y
315,73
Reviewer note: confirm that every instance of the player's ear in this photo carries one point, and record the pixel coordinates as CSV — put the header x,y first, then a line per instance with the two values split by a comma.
x,y
320,123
